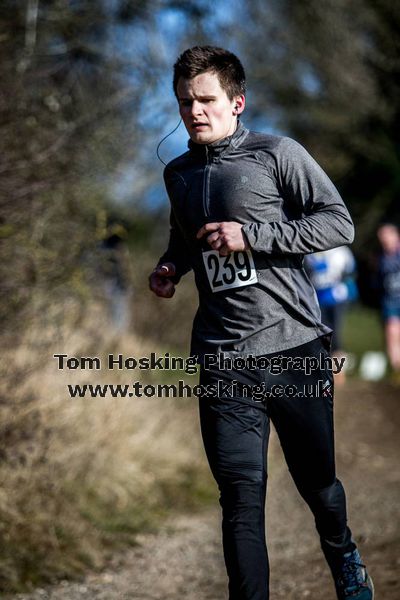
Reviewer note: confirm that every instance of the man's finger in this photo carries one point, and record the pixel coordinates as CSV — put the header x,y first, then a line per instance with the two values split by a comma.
x,y
161,286
217,244
223,250
213,237
167,290
208,227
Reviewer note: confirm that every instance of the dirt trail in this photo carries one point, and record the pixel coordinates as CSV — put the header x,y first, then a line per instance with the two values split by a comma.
x,y
184,560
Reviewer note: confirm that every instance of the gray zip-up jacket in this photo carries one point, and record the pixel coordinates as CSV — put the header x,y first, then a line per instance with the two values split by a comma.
x,y
260,301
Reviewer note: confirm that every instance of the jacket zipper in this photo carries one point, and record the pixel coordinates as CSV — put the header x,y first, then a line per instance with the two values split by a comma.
x,y
206,183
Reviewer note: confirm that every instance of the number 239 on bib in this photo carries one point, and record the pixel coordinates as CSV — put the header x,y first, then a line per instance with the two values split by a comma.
x,y
232,271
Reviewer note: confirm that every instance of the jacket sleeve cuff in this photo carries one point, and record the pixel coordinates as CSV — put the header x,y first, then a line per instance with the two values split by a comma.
x,y
258,237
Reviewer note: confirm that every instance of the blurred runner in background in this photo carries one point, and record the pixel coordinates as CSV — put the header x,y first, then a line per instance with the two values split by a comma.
x,y
389,276
332,273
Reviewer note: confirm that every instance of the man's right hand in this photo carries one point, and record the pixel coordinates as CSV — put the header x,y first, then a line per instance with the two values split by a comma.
x,y
159,281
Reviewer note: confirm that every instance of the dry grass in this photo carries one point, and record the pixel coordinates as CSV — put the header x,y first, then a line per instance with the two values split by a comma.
x,y
79,477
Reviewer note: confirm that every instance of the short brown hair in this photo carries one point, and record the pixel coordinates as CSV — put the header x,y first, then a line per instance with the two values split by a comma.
x,y
225,64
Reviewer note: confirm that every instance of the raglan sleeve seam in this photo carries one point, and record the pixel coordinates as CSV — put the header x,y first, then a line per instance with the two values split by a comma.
x,y
325,221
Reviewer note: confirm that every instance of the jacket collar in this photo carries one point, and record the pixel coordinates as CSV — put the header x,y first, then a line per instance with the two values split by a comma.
x,y
221,146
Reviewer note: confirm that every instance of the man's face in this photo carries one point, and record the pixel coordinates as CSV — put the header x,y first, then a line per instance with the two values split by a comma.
x,y
205,108
389,238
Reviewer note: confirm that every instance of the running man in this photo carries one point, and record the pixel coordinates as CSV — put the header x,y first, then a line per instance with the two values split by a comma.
x,y
245,208
389,275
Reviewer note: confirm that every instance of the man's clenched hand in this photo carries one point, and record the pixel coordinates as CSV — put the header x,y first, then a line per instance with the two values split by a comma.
x,y
226,237
159,281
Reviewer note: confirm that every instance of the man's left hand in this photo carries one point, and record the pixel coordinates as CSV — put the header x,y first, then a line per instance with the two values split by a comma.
x,y
226,237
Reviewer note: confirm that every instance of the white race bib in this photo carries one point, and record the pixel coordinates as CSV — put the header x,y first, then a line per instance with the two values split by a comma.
x,y
232,271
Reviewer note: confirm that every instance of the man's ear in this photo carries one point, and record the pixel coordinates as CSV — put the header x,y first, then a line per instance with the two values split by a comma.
x,y
240,102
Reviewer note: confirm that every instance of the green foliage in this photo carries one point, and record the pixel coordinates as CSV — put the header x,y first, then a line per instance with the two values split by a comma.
x,y
363,331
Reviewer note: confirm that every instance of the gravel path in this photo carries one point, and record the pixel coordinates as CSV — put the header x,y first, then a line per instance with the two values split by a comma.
x,y
184,559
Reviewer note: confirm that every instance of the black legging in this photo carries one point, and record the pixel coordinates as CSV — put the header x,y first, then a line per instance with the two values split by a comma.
x,y
235,431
